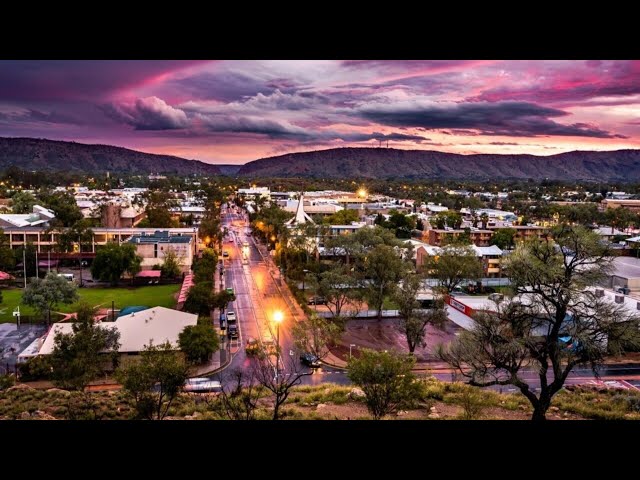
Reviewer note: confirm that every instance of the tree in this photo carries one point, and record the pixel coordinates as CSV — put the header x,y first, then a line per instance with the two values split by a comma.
x,y
46,293
383,267
454,265
80,233
221,299
200,299
64,206
23,202
553,324
27,254
159,205
401,224
205,267
419,224
198,342
447,218
314,335
414,322
155,381
171,264
337,286
240,395
78,357
278,382
504,238
113,260
386,379
7,255
342,217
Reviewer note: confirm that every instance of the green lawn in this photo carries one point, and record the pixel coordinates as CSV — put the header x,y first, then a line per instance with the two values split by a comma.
x,y
161,295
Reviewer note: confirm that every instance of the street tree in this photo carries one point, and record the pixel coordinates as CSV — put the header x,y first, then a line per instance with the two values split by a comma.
x,y
171,264
158,210
113,260
383,269
204,268
504,238
453,265
23,202
44,294
222,299
385,378
554,323
315,335
200,299
155,381
414,321
198,342
79,357
278,381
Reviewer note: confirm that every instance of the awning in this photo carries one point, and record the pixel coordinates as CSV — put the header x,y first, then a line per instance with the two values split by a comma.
x,y
149,274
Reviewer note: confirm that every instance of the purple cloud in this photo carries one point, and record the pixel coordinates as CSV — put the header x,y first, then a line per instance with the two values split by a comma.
x,y
151,113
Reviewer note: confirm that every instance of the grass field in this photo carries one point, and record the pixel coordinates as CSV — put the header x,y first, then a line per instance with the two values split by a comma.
x,y
161,295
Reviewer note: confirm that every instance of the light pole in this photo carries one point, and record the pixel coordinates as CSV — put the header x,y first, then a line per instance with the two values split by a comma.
x,y
350,347
277,318
304,274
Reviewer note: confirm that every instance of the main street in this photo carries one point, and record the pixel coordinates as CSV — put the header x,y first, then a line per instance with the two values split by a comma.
x,y
260,292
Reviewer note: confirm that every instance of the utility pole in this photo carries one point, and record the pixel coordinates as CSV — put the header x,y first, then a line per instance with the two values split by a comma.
x,y
24,264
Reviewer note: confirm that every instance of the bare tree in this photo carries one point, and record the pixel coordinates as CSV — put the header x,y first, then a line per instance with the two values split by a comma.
x,y
240,399
315,335
555,323
278,382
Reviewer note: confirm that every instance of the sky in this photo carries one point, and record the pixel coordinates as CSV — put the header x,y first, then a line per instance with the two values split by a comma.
x,y
238,111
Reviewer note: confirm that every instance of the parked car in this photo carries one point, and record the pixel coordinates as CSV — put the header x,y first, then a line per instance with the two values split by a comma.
x,y
232,331
317,301
231,317
223,321
310,360
225,254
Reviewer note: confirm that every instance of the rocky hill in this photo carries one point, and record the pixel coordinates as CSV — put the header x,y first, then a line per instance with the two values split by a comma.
x,y
40,154
620,165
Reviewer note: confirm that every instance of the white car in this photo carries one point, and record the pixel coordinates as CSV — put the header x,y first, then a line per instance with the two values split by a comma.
x,y
231,316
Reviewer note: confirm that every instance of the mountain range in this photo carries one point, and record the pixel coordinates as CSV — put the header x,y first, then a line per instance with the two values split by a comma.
x,y
620,165
50,155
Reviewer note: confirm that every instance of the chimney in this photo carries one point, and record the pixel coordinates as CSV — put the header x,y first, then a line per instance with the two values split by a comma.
x,y
619,298
599,292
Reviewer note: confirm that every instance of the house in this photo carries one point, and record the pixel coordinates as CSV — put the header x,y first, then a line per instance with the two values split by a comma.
x,y
155,325
608,233
39,217
153,247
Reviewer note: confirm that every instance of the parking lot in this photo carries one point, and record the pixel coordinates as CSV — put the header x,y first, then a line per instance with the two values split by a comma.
x,y
13,340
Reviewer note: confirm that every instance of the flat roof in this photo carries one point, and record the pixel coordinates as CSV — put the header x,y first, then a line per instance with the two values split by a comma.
x,y
626,267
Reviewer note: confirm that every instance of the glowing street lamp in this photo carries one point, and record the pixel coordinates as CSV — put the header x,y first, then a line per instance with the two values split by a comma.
x,y
277,318
362,193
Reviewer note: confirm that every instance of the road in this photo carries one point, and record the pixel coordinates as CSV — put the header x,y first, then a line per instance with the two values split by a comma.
x,y
259,293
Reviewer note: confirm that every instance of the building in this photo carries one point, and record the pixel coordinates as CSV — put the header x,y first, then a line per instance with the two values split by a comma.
x,y
524,232
45,240
153,247
39,217
121,215
625,274
155,326
490,257
632,205
609,233
439,237
254,192
491,213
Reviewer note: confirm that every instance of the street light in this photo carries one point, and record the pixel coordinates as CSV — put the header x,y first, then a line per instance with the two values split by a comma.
x,y
350,347
304,272
277,318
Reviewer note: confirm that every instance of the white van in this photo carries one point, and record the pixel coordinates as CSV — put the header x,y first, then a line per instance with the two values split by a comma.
x,y
68,276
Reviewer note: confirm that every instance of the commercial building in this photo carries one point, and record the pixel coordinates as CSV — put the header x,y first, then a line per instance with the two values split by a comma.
x,y
39,217
524,232
632,205
490,257
439,237
153,248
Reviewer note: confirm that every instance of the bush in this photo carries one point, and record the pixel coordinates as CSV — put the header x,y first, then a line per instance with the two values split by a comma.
x,y
472,403
6,381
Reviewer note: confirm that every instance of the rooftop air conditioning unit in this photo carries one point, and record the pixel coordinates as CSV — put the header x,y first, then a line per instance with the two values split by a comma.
x,y
599,292
638,306
619,298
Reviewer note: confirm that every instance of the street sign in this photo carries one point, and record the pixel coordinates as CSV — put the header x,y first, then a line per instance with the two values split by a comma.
x,y
16,312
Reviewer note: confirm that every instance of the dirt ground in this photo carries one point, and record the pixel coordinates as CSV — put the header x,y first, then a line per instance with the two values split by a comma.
x,y
385,334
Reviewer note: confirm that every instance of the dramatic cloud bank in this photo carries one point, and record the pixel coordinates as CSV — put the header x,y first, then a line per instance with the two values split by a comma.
x,y
236,111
